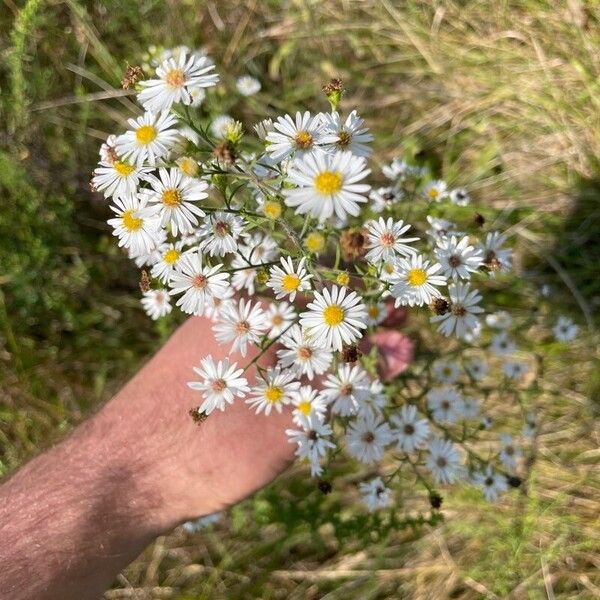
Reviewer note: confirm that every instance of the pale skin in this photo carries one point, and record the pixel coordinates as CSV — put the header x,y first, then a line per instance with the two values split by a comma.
x,y
75,516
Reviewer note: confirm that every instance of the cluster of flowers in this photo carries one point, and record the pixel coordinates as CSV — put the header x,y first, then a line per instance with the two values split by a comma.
x,y
279,239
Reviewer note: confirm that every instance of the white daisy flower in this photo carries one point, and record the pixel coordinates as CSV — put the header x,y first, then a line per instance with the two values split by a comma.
x,y
149,259
492,483
385,240
244,275
385,198
170,255
175,194
501,319
495,256
247,85
445,404
308,404
367,437
273,391
376,313
531,427
510,454
221,125
443,461
221,383
502,344
460,197
515,369
220,233
410,433
470,408
375,495
441,228
327,184
289,280
212,310
312,441
477,368
156,303
118,178
135,224
346,135
108,154
446,371
302,355
279,318
299,138
565,329
257,251
375,401
464,305
458,258
175,81
198,283
263,128
396,170
240,324
334,318
436,190
486,422
347,389
150,138
415,281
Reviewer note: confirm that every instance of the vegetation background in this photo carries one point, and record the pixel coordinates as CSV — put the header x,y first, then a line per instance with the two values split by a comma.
x,y
502,97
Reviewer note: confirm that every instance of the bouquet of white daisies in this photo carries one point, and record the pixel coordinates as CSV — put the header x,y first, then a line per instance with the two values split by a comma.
x,y
278,237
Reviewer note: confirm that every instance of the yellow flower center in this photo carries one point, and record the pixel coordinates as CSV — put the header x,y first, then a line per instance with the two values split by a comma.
x,y
272,209
373,312
434,193
328,182
171,256
171,198
273,394
122,168
303,140
304,407
315,242
175,78
333,315
130,222
276,319
417,277
145,134
290,282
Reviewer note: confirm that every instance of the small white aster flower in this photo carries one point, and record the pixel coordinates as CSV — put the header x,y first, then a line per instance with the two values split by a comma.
x,y
565,329
289,280
118,178
385,240
221,383
515,369
477,368
347,389
502,344
221,125
198,283
175,81
375,494
501,319
335,317
486,422
376,313
461,318
446,371
308,404
302,355
294,138
458,258
470,408
170,255
240,324
491,483
416,281
149,259
220,233
443,461
212,310
375,401
107,152
312,441
273,391
441,228
263,128
202,523
347,135
396,170
460,197
367,437
495,256
445,404
156,303
510,454
410,433
385,198
436,190
247,85
175,194
135,224
150,138
327,184
531,427
279,318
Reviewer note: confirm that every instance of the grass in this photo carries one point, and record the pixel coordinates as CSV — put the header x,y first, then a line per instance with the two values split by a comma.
x,y
501,97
